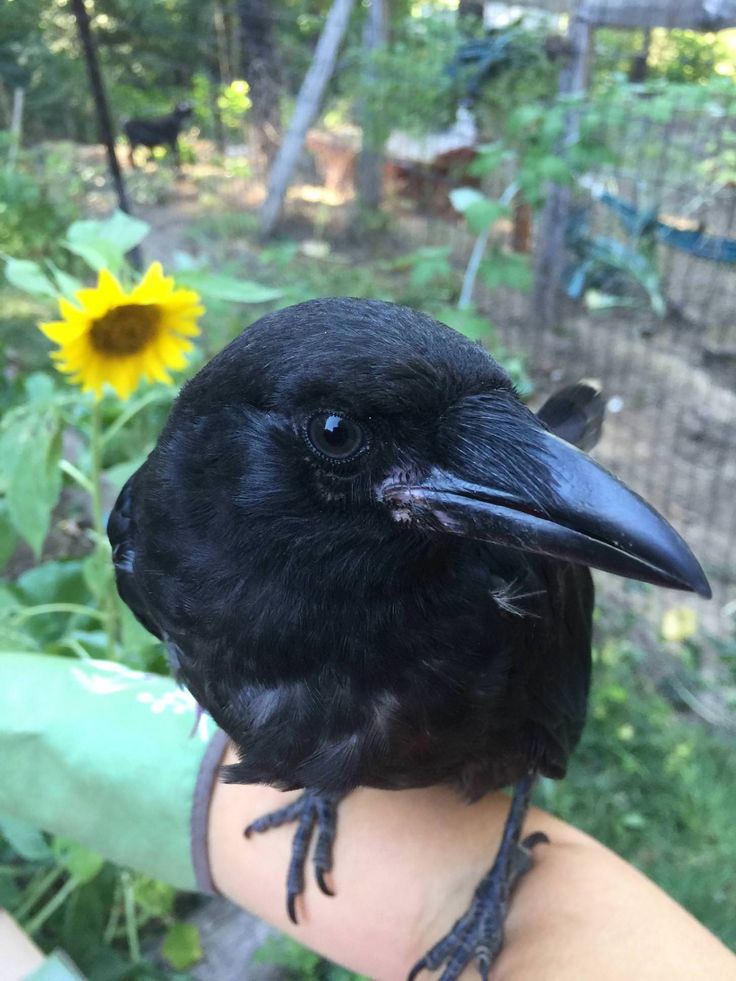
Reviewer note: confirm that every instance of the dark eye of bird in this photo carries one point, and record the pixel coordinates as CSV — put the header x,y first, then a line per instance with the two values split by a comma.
x,y
335,436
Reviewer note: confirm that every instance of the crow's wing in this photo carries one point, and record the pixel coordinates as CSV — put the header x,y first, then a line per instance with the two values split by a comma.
x,y
575,413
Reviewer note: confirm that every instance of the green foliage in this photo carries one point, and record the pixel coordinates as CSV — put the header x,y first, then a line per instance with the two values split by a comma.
x,y
656,787
103,244
301,963
30,450
182,947
62,893
32,215
233,103
406,85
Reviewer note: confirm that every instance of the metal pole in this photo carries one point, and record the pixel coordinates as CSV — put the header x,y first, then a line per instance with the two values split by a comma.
x,y
104,123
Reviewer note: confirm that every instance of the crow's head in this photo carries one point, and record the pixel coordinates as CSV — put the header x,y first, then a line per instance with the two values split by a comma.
x,y
341,425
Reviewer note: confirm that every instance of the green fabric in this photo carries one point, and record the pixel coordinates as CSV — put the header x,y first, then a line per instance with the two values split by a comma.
x,y
99,753
56,967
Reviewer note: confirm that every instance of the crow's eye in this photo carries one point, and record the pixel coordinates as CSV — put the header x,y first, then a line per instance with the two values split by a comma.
x,y
335,436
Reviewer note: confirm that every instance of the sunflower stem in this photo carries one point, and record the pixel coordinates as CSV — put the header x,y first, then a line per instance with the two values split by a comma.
x,y
76,475
101,545
124,418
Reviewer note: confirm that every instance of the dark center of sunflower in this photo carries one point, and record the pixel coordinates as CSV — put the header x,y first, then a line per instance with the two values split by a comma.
x,y
125,330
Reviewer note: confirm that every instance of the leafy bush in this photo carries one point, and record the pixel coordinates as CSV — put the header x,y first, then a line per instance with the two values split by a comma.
x,y
31,217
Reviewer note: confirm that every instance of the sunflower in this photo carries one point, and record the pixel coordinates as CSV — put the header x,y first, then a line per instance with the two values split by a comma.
x,y
118,338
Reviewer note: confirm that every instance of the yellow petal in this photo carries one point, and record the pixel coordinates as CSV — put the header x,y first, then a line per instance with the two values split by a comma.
x,y
62,332
109,288
154,287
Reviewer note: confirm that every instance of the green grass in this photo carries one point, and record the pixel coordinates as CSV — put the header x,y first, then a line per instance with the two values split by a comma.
x,y
657,787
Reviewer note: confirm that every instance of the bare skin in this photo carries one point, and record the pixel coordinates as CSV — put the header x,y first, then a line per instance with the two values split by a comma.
x,y
406,865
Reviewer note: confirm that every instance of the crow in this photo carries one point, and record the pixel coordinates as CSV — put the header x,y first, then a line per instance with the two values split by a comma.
x,y
368,561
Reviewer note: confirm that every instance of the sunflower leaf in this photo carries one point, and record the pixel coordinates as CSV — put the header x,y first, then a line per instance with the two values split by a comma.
x,y
69,285
29,277
30,449
103,243
223,287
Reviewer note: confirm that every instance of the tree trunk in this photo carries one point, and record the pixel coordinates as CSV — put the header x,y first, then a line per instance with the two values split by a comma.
x,y
370,161
260,68
104,123
307,106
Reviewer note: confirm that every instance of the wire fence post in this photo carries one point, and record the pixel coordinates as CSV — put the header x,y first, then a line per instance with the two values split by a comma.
x,y
550,252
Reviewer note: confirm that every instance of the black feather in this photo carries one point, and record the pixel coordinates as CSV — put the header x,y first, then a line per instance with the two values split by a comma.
x,y
335,647
575,413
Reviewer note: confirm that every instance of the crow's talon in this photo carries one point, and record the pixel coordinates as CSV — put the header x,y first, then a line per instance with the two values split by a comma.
x,y
311,811
478,934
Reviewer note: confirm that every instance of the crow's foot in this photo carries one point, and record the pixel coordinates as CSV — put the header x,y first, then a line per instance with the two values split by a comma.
x,y
478,935
310,810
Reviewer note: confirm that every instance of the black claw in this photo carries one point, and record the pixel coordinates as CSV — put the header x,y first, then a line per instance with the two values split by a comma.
x,y
311,811
478,935
320,877
417,969
291,908
536,838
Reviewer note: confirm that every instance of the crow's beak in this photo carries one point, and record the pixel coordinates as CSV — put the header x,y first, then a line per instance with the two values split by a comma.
x,y
506,479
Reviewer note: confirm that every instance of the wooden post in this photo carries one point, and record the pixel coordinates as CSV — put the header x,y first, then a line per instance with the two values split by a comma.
x,y
104,123
307,104
370,161
551,254
16,127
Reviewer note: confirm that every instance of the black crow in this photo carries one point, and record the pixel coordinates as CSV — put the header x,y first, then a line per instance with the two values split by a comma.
x,y
368,561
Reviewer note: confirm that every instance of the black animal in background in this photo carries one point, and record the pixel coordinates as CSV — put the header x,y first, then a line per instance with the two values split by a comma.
x,y
368,561
161,131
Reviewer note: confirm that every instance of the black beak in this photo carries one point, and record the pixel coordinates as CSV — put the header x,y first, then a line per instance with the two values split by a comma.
x,y
506,479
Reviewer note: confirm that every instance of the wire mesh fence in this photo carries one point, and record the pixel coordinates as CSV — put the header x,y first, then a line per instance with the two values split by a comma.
x,y
627,226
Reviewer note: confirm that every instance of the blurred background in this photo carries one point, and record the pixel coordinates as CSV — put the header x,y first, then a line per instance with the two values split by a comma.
x,y
557,181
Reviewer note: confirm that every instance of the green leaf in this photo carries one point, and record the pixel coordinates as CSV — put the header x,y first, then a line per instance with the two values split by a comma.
x,y
134,634
39,387
116,475
469,322
80,862
224,287
68,285
462,198
483,214
506,269
489,157
103,243
28,841
53,582
30,449
154,898
29,277
182,947
430,264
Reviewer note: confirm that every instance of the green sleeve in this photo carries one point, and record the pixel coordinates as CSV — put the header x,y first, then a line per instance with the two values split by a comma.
x,y
116,759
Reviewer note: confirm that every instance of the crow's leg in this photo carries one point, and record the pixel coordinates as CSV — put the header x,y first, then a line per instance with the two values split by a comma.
x,y
311,811
478,934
